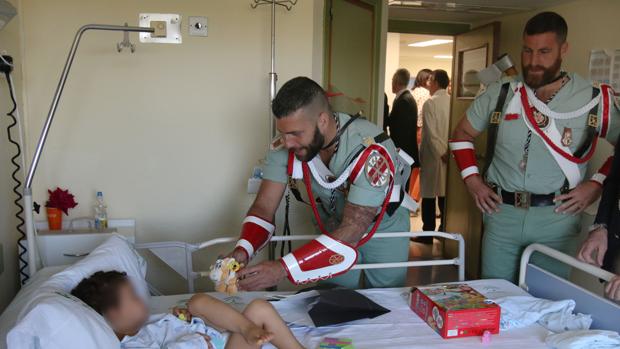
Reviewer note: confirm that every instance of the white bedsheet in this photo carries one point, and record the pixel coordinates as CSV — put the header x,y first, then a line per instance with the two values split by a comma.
x,y
401,328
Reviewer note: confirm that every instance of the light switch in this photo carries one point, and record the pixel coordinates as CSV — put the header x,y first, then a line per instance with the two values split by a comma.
x,y
197,26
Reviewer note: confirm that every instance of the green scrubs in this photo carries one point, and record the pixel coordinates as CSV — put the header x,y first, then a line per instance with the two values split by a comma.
x,y
362,193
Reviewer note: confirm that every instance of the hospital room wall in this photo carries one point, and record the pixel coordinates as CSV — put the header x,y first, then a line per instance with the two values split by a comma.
x,y
592,24
9,42
170,133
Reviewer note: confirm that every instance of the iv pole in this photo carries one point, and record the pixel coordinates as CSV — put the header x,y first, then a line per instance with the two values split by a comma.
x,y
273,76
30,234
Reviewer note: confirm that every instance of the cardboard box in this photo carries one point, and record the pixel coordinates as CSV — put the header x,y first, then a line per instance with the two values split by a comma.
x,y
455,310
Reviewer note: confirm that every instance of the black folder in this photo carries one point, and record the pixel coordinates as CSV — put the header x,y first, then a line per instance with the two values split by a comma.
x,y
338,306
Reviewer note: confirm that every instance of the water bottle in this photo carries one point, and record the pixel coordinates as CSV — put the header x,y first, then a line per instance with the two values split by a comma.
x,y
101,215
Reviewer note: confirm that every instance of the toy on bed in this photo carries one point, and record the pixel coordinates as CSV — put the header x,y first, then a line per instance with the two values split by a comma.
x,y
224,275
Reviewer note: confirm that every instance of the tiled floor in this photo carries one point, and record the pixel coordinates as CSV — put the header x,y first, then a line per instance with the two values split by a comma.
x,y
418,251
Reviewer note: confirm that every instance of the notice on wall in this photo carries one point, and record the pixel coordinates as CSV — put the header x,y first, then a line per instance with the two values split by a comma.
x,y
604,67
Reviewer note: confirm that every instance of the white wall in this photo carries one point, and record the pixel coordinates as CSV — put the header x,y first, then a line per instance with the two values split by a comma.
x,y
392,63
9,41
170,133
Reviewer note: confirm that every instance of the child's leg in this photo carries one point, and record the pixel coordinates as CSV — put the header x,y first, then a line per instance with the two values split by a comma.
x,y
265,316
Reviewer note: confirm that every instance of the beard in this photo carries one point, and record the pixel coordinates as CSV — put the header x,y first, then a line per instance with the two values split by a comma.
x,y
549,74
313,148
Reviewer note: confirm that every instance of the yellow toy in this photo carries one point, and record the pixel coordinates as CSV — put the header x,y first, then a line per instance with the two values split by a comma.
x,y
224,275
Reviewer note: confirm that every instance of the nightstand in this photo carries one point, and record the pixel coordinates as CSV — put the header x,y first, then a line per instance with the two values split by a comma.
x,y
77,239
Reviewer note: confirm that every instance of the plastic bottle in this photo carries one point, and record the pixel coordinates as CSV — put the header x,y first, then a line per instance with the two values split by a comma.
x,y
101,215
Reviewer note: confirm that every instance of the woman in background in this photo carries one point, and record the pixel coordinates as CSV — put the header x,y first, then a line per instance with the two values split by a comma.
x,y
420,95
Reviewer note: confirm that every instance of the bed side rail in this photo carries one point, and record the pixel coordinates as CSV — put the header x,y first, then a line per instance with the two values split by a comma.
x,y
183,265
543,284
562,257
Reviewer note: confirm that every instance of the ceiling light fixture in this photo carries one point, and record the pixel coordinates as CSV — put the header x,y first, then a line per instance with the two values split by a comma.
x,y
431,43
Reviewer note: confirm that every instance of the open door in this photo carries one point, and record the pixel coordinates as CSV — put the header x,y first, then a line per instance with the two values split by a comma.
x,y
473,51
351,64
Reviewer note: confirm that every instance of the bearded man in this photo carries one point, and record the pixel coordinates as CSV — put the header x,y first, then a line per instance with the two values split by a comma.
x,y
543,129
354,179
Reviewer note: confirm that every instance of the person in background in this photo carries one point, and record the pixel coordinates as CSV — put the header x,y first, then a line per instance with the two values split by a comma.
x,y
434,150
421,95
602,247
403,119
386,111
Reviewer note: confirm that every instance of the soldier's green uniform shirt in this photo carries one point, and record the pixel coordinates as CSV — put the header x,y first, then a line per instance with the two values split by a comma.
x,y
362,193
508,232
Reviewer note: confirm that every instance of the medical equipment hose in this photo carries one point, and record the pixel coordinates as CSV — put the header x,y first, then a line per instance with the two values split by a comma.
x,y
17,168
287,226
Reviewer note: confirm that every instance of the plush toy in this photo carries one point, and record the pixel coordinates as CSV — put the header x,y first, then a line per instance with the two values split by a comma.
x,y
224,275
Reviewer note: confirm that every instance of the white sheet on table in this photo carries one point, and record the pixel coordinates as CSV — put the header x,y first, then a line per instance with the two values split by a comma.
x,y
556,316
584,340
386,331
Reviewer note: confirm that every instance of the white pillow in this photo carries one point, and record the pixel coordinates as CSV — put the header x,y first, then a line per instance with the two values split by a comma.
x,y
60,320
55,319
116,253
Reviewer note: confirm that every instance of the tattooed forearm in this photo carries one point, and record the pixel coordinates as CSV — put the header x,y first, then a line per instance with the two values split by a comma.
x,y
355,222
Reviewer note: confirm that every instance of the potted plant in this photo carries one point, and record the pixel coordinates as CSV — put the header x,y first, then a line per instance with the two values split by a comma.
x,y
59,201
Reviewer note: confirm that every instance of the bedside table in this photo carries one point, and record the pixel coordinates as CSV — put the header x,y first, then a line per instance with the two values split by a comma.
x,y
77,239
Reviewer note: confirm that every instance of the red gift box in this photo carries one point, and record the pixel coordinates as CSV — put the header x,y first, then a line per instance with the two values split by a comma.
x,y
455,310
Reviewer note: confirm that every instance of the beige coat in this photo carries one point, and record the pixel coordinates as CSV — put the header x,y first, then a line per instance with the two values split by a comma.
x,y
434,144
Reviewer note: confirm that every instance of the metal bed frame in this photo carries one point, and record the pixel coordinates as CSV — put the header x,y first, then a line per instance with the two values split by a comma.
x,y
178,255
543,284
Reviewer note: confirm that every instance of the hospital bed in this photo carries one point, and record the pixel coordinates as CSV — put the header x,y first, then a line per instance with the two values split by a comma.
x,y
400,328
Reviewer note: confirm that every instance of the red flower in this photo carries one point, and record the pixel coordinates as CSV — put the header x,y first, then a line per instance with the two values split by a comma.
x,y
61,199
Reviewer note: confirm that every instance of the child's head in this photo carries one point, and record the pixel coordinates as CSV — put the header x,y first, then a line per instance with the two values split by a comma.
x,y
111,294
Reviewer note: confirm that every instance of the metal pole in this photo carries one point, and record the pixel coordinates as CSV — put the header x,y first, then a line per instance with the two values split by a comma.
x,y
46,127
272,94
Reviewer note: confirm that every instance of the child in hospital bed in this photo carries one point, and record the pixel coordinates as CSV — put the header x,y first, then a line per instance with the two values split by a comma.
x,y
112,295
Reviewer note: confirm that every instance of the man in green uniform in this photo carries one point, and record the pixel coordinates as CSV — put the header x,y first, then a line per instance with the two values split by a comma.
x,y
543,129
350,171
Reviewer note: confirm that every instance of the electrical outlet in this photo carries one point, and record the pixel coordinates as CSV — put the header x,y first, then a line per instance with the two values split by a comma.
x,y
197,26
167,28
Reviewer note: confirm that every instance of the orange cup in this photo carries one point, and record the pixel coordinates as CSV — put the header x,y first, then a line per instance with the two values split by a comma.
x,y
54,218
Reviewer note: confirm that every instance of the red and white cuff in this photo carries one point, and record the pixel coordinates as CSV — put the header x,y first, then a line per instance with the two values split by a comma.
x,y
320,259
600,176
465,156
255,234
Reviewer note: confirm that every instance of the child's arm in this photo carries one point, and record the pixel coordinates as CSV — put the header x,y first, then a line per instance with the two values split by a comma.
x,y
223,316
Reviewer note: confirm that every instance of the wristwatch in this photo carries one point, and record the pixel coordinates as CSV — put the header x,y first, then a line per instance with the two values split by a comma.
x,y
597,226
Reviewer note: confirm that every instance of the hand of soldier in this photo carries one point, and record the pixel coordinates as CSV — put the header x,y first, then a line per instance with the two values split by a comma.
x,y
578,199
612,290
239,255
595,243
486,199
261,276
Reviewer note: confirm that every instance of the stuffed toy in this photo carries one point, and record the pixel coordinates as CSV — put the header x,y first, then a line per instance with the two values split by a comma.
x,y
224,275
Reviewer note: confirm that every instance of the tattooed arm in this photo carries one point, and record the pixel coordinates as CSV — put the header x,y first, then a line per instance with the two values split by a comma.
x,y
355,222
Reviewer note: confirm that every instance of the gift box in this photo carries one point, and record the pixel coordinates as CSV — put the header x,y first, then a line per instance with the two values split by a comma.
x,y
455,310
